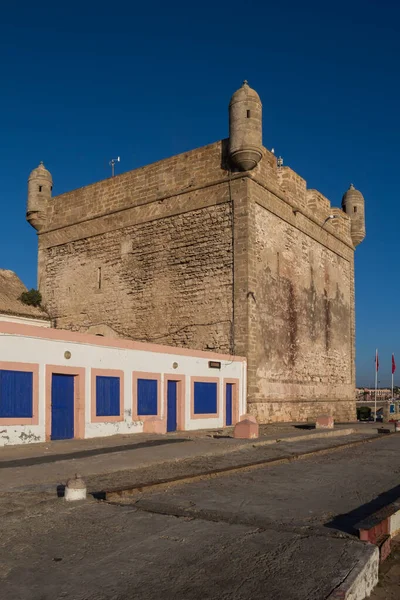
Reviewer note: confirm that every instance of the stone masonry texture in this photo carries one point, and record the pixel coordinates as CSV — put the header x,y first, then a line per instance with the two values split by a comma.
x,y
189,252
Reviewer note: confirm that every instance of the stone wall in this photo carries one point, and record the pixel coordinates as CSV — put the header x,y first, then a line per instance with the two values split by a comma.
x,y
167,281
304,324
153,183
188,253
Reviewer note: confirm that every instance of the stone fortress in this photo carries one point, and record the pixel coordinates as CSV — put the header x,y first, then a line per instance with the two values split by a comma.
x,y
221,248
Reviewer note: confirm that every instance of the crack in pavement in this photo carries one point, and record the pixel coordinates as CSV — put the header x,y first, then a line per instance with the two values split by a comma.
x,y
231,519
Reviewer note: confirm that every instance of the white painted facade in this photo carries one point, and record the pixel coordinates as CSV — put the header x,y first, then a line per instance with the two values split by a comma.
x,y
20,344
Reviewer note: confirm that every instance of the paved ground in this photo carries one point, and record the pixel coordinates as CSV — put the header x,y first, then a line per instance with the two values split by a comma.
x,y
113,461
283,531
107,552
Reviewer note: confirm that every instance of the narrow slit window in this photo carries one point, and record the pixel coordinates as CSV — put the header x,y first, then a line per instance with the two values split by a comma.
x,y
40,188
99,278
248,114
355,209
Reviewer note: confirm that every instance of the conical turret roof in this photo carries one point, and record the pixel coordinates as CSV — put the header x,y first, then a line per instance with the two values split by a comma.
x,y
41,173
245,93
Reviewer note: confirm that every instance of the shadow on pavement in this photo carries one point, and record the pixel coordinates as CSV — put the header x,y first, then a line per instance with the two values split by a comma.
x,y
40,460
348,521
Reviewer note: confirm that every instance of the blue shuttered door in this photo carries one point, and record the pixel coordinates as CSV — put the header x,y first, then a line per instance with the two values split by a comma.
x,y
62,407
171,405
228,406
107,396
16,393
147,397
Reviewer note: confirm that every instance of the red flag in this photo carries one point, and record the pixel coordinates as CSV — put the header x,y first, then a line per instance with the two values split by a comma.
x,y
393,364
377,361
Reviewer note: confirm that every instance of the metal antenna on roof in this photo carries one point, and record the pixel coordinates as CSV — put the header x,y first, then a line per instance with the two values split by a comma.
x,y
112,164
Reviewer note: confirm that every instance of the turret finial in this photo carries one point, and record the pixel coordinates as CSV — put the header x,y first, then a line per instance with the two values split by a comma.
x,y
245,82
351,187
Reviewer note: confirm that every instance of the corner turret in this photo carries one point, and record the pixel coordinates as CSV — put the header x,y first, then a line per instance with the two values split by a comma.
x,y
245,128
353,205
40,185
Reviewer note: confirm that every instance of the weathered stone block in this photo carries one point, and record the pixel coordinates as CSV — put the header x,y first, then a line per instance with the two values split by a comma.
x,y
154,425
246,429
248,417
324,422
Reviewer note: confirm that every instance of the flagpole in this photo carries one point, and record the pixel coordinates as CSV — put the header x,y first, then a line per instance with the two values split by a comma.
x,y
392,388
393,370
376,377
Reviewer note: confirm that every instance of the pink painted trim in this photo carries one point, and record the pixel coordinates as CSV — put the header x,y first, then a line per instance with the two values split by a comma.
x,y
106,373
143,375
194,380
235,400
180,401
26,368
94,340
79,398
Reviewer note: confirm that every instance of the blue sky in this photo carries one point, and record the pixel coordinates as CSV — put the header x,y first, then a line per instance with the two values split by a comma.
x,y
83,82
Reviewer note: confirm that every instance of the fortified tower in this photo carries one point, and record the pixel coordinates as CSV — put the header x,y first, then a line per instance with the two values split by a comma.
x,y
40,185
245,128
188,252
353,204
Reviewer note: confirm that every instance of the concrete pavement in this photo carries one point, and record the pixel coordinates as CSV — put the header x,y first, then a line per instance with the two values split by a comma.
x,y
284,531
103,552
113,462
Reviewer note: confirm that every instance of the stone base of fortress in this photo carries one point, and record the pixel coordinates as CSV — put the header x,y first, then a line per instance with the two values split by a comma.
x,y
279,412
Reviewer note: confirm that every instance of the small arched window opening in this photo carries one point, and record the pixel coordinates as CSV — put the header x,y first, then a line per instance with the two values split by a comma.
x,y
248,114
40,188
355,209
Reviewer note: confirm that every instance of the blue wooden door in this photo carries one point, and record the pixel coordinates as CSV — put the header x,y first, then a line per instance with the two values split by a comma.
x,y
171,405
62,407
228,405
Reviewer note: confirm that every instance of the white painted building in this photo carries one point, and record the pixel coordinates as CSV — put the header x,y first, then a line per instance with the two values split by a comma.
x,y
57,384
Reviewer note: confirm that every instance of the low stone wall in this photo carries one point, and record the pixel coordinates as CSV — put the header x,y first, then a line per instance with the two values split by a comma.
x,y
275,412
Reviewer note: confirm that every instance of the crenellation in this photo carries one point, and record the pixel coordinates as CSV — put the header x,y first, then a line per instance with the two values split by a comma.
x,y
341,222
294,186
267,169
317,202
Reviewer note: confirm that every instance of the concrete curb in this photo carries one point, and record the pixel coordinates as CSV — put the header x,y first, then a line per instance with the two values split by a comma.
x,y
190,478
309,436
361,580
287,440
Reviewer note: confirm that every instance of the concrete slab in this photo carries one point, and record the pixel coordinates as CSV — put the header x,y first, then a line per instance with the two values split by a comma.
x,y
103,552
334,491
281,532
